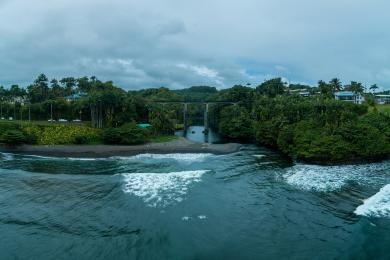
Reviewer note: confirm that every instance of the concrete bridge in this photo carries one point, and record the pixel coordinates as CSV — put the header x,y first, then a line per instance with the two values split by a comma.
x,y
206,105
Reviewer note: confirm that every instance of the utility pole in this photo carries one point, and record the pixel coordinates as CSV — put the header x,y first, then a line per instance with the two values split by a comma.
x,y
29,112
51,112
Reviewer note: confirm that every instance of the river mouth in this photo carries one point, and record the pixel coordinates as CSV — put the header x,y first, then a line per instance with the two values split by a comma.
x,y
196,133
192,206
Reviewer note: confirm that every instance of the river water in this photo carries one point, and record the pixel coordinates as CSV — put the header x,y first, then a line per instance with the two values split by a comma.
x,y
196,134
248,205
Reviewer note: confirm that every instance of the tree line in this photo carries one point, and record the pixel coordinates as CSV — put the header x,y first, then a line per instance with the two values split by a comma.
x,y
316,128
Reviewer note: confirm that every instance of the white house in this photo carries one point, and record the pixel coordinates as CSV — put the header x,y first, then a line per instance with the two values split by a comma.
x,y
382,99
349,96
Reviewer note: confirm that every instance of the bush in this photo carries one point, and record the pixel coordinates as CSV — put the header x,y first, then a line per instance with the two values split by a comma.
x,y
4,126
31,132
80,139
13,137
61,134
112,136
126,134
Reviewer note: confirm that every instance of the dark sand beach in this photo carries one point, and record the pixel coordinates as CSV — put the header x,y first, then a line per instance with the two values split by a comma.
x,y
180,145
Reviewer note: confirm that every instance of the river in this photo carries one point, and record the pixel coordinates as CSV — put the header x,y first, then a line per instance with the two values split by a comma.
x,y
248,205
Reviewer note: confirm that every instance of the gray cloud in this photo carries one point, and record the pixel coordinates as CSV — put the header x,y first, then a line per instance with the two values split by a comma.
x,y
182,43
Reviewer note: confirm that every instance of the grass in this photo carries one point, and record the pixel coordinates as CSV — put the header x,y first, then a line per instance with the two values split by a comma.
x,y
385,109
163,138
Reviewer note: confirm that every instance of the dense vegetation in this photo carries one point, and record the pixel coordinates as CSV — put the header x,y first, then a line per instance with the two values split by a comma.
x,y
314,127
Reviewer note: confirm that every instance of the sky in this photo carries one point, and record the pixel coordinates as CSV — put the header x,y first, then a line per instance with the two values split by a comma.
x,y
182,43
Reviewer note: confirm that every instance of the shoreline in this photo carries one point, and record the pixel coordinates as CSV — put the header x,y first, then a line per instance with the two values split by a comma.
x,y
180,145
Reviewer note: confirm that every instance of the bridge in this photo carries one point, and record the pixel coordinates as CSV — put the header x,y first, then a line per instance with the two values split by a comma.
x,y
206,109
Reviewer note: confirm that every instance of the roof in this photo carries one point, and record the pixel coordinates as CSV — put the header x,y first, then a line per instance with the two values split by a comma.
x,y
345,94
76,95
382,95
144,125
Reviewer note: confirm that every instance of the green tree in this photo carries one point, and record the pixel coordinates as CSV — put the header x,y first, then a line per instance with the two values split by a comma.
x,y
356,87
335,84
271,88
161,121
374,87
235,123
38,91
326,89
69,84
55,89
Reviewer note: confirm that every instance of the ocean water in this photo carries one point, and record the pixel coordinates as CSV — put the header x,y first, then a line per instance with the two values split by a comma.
x,y
248,205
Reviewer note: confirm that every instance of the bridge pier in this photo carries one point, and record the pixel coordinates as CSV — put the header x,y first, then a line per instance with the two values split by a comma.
x,y
206,119
185,117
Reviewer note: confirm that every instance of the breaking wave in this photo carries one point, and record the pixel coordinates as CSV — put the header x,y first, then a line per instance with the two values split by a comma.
x,y
377,205
7,156
161,189
333,178
187,157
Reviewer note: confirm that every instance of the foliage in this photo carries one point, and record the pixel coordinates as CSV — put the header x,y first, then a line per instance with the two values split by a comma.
x,y
355,87
161,121
13,137
196,93
4,126
384,109
316,128
61,134
112,136
235,123
322,130
271,88
127,134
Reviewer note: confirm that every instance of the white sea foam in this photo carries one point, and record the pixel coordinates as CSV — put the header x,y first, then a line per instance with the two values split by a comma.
x,y
333,178
188,157
7,156
161,189
185,157
259,156
40,157
377,205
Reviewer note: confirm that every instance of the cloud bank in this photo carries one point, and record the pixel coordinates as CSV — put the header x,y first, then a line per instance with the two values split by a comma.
x,y
173,43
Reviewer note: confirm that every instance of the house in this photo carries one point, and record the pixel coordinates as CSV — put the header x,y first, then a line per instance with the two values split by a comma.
x,y
349,96
144,125
302,92
382,99
75,96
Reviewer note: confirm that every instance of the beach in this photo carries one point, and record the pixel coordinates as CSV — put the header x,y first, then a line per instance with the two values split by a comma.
x,y
180,145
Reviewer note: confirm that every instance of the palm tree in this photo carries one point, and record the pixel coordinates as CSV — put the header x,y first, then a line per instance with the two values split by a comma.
x,y
374,87
335,84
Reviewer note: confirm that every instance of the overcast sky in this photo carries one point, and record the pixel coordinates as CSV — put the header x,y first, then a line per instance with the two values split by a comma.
x,y
180,43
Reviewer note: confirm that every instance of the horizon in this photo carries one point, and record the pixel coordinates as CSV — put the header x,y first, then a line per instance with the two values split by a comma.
x,y
214,43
